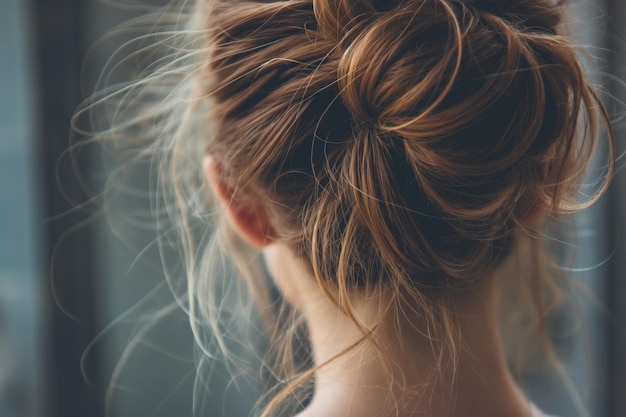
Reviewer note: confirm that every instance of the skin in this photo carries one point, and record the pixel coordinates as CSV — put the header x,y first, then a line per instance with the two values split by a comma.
x,y
357,384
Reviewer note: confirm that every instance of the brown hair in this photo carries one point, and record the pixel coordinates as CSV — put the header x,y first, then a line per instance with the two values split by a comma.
x,y
402,146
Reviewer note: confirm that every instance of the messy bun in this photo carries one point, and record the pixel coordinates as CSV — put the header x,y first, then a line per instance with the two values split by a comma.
x,y
403,140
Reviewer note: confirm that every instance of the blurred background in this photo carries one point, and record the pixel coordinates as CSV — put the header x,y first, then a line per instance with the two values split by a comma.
x,y
73,297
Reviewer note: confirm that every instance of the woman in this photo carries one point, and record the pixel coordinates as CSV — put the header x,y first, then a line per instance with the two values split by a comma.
x,y
392,164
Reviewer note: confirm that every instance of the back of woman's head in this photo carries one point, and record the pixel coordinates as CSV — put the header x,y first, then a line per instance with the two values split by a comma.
x,y
401,148
400,143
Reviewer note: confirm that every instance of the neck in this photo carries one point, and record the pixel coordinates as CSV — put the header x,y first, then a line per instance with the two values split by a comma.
x,y
360,382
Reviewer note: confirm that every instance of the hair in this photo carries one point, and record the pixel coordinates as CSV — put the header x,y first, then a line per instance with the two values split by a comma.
x,y
401,148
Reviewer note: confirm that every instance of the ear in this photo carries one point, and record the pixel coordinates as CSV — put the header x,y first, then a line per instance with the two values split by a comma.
x,y
249,220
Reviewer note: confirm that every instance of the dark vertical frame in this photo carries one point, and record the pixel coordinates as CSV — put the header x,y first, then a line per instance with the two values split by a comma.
x,y
58,34
616,332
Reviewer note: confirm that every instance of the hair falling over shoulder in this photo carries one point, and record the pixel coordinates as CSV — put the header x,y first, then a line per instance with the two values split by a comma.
x,y
405,147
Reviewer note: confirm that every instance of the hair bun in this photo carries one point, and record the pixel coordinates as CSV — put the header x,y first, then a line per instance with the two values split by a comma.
x,y
430,124
465,92
398,68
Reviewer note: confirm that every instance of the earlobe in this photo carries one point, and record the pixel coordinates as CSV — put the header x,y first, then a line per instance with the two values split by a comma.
x,y
250,221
